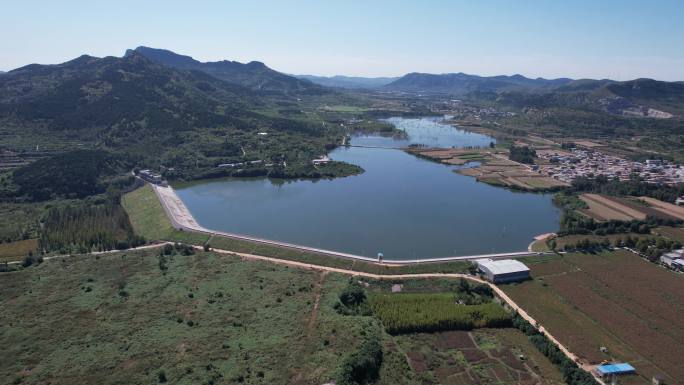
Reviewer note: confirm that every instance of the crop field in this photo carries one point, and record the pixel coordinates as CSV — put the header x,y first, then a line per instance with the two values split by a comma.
x,y
17,250
406,313
603,208
482,356
123,319
616,300
664,207
502,172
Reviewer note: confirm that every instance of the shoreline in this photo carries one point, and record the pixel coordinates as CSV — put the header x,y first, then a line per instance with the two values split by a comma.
x,y
182,219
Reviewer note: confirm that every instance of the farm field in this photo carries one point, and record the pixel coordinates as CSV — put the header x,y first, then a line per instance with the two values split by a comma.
x,y
664,207
17,250
616,300
482,356
200,319
502,172
672,233
495,169
603,208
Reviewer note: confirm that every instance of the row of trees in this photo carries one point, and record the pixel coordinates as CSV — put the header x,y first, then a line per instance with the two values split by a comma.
x,y
574,223
412,313
572,374
87,227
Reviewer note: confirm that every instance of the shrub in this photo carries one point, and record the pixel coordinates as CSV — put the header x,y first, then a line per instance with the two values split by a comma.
x,y
363,366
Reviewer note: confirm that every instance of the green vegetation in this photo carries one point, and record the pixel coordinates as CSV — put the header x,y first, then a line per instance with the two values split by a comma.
x,y
363,365
182,123
522,154
87,227
353,301
410,313
20,221
210,319
72,175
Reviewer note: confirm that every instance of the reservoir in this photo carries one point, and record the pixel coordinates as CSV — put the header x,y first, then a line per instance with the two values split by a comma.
x,y
401,206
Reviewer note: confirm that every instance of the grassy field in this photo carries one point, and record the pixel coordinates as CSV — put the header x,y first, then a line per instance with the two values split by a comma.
x,y
616,300
15,251
346,109
483,356
121,319
149,220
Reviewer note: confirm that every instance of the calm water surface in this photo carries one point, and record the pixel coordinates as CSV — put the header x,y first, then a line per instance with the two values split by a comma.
x,y
402,206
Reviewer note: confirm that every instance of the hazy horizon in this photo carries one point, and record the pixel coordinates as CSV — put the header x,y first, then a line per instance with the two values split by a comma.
x,y
613,39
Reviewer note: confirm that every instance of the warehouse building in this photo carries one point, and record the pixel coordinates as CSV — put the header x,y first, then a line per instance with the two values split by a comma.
x,y
503,270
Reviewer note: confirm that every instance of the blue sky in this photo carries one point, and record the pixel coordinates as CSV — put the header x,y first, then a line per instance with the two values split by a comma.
x,y
599,38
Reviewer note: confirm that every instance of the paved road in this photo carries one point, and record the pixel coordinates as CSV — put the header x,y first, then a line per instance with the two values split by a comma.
x,y
182,219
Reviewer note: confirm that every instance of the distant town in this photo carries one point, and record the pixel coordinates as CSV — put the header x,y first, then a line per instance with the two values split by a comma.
x,y
566,166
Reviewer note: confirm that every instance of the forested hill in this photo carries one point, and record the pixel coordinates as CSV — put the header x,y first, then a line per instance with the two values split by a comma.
x,y
253,75
153,115
119,94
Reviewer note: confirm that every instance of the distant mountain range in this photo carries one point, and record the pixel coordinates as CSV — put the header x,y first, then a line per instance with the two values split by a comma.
x,y
253,75
460,83
349,82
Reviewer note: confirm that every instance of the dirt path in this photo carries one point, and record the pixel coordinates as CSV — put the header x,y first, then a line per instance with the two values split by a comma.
x,y
325,269
318,288
500,293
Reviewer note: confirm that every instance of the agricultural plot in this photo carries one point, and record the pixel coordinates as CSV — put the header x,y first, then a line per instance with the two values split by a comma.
x,y
406,313
603,208
14,251
665,208
502,172
615,300
483,356
672,233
